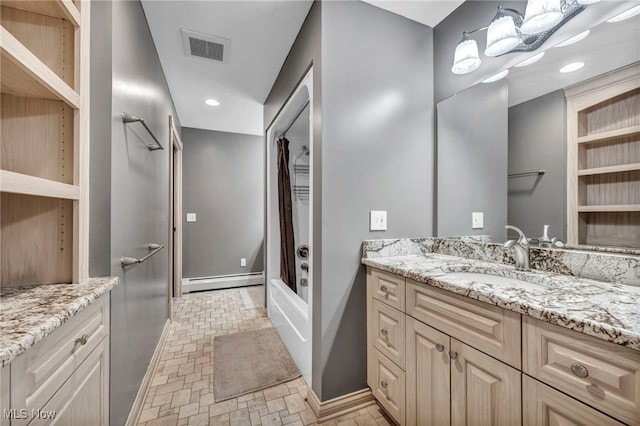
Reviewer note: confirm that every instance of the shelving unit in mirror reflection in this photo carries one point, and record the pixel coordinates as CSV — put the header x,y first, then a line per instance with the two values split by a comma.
x,y
603,160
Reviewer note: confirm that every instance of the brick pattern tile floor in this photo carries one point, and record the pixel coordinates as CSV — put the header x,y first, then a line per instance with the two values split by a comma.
x,y
181,391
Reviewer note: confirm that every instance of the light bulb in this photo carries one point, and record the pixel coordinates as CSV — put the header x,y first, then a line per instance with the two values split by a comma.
x,y
541,15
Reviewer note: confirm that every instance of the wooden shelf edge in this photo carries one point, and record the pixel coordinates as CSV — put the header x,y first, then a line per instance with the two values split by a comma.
x,y
16,52
611,169
19,183
63,9
607,136
610,208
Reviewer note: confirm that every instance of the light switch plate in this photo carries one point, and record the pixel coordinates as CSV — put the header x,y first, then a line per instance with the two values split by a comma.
x,y
243,261
377,220
477,220
191,217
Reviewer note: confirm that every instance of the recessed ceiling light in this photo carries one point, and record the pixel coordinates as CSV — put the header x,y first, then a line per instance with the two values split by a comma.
x,y
574,39
499,76
626,14
212,102
575,66
531,60
588,1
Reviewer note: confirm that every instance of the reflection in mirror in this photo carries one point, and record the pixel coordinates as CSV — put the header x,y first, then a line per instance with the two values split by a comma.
x,y
535,120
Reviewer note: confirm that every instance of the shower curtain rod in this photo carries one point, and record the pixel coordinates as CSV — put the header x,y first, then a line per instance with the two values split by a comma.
x,y
294,120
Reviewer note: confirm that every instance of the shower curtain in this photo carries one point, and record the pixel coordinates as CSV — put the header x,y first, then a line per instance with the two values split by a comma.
x,y
285,207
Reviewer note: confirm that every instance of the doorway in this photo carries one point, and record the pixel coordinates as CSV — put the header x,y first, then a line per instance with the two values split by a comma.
x,y
175,215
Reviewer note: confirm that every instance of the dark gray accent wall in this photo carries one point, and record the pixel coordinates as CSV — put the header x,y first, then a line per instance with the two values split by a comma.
x,y
139,187
377,154
537,140
100,143
472,161
222,183
305,53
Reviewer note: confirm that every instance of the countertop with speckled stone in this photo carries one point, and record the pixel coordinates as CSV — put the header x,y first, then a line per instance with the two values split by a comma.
x,y
608,311
30,313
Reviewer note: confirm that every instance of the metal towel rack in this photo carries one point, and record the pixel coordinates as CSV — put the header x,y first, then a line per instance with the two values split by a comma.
x,y
130,118
536,173
154,248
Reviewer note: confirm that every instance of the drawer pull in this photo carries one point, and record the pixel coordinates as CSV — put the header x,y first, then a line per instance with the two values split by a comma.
x,y
453,354
439,347
384,332
580,370
83,340
384,289
383,384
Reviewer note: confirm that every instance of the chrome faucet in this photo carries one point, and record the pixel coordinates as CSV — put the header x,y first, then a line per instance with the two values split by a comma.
x,y
521,246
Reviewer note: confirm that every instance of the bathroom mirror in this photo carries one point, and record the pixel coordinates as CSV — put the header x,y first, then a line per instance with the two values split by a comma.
x,y
502,145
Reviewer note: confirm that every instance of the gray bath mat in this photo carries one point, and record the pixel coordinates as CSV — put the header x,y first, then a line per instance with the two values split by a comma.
x,y
248,362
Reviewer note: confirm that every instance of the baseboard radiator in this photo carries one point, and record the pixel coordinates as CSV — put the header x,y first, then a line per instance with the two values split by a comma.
x,y
190,285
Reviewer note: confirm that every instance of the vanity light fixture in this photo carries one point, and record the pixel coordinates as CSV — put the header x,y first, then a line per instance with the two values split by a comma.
x,y
531,60
626,14
212,102
574,66
502,74
574,39
509,31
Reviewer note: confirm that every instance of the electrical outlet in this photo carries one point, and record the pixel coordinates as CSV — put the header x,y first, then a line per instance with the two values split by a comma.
x,y
191,217
243,261
477,220
377,220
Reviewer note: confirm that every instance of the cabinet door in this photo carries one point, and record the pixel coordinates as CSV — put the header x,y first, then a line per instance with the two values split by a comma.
x,y
428,381
388,386
84,398
545,406
484,391
388,331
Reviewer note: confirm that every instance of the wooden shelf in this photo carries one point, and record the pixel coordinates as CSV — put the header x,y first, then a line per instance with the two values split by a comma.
x,y
610,208
611,135
18,183
64,9
23,74
610,169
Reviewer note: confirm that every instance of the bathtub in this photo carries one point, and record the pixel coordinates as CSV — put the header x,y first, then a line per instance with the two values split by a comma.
x,y
290,316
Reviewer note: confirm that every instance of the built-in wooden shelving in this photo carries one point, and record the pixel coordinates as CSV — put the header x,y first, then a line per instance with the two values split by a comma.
x,y
610,169
44,85
603,160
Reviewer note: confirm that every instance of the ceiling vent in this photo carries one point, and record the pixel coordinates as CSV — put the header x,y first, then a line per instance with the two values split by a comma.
x,y
205,46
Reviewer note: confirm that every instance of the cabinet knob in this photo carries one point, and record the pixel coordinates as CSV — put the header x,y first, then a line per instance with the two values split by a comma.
x,y
384,289
439,347
580,370
82,340
383,384
384,332
453,354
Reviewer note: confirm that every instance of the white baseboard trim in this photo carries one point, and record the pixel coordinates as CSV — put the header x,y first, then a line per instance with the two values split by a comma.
x,y
336,407
141,396
227,281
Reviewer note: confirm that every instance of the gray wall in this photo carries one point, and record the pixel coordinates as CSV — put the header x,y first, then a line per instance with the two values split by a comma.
x,y
537,135
100,148
222,183
472,161
129,184
377,154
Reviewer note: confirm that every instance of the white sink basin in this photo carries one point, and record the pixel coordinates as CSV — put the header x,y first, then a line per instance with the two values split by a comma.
x,y
491,279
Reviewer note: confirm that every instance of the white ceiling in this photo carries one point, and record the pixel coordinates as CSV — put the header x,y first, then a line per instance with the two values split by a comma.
x,y
427,12
261,33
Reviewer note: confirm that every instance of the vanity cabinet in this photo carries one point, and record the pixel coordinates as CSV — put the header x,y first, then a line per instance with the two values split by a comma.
x,y
66,373
438,358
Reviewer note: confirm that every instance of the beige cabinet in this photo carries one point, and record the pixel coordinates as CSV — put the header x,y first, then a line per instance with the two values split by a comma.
x,y
64,378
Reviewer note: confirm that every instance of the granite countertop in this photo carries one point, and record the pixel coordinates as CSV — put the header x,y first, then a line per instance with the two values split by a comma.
x,y
608,311
30,313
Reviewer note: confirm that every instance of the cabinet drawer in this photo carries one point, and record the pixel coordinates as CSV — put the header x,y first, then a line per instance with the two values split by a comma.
x,y
388,385
38,373
388,331
601,374
543,405
488,328
387,287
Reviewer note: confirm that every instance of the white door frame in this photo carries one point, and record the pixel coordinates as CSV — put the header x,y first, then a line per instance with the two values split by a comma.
x,y
175,214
